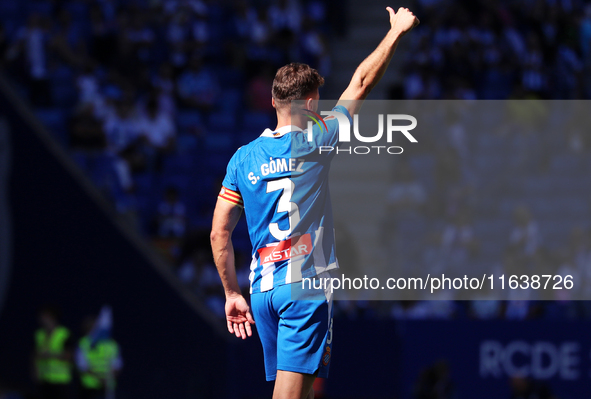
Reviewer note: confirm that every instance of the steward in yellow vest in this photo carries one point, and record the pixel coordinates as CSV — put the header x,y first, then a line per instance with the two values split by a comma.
x,y
98,363
53,354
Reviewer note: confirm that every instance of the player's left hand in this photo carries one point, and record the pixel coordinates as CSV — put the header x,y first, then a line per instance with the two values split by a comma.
x,y
238,316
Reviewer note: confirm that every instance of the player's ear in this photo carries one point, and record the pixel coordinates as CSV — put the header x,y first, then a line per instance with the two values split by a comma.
x,y
273,103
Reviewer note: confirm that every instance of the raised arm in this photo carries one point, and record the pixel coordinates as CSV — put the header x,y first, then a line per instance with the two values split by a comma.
x,y
225,218
371,70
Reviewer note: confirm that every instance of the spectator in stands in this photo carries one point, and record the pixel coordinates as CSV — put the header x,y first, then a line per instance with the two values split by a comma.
x,y
177,35
244,19
164,87
86,130
31,43
458,243
431,253
533,77
525,237
140,36
314,50
89,86
486,306
103,37
197,87
447,175
67,42
209,288
566,306
124,133
458,199
53,356
285,14
585,34
200,28
259,37
520,304
171,215
158,128
191,268
577,139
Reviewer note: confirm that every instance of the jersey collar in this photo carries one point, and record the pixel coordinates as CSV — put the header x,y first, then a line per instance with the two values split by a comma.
x,y
281,131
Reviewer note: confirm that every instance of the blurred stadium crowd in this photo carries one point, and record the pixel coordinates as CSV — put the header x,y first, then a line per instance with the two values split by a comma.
x,y
490,49
151,98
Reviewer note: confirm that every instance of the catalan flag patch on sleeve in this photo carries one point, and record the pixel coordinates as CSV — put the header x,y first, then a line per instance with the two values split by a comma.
x,y
230,196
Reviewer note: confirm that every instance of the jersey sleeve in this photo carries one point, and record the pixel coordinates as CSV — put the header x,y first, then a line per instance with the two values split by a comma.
x,y
230,191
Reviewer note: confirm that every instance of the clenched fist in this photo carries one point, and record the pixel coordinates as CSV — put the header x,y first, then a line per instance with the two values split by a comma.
x,y
403,20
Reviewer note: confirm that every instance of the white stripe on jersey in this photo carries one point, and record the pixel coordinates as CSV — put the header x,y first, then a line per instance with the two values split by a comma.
x,y
253,265
267,276
319,260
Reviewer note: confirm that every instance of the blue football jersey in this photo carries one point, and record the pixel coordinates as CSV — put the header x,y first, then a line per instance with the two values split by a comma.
x,y
281,179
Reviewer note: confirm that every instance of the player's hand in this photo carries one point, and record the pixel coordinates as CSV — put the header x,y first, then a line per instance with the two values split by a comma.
x,y
403,20
238,316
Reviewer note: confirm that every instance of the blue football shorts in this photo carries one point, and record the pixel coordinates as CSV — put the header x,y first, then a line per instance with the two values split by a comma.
x,y
295,327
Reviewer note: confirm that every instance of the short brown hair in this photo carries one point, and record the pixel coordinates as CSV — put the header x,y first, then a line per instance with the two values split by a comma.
x,y
294,81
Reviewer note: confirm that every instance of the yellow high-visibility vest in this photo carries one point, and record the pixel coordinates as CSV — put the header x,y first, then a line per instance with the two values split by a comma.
x,y
53,371
100,360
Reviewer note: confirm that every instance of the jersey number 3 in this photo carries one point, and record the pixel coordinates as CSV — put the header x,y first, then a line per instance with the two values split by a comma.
x,y
284,205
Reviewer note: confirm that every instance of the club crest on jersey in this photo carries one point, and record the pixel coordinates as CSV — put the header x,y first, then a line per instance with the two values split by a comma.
x,y
326,356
